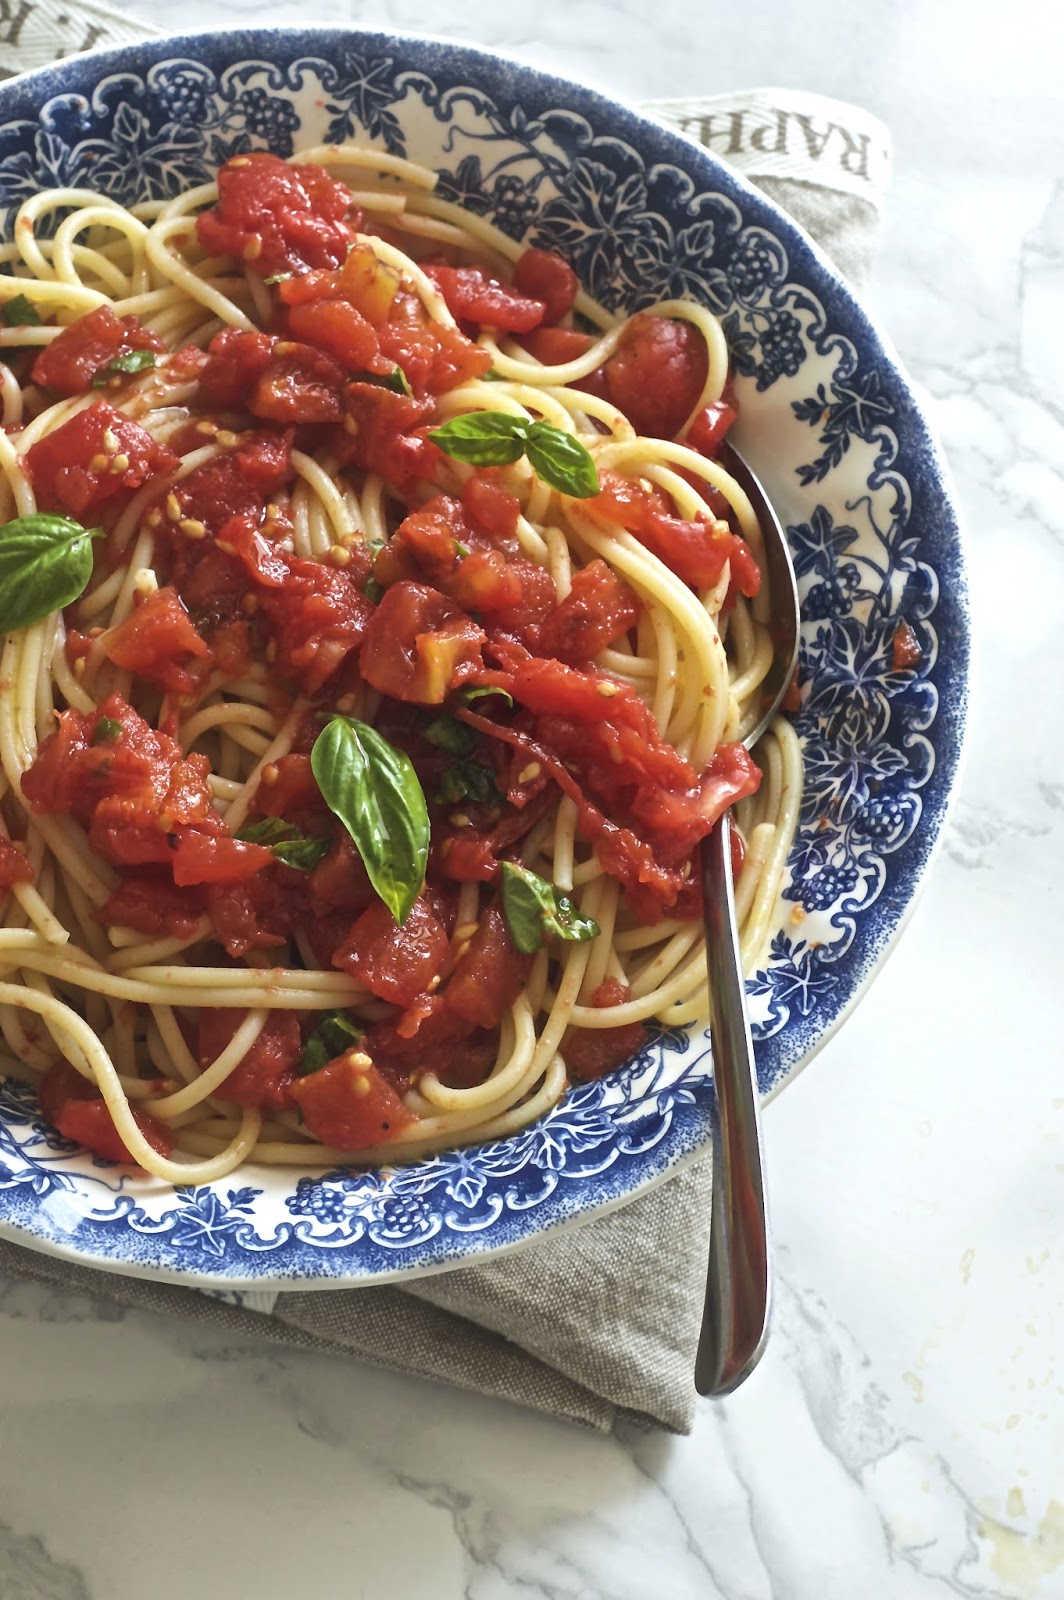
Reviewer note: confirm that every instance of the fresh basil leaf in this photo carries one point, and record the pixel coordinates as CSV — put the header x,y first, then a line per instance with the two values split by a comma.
x,y
303,854
373,789
396,380
374,590
535,911
20,312
561,461
483,438
447,733
45,563
334,1034
477,692
125,361
468,780
287,843
107,730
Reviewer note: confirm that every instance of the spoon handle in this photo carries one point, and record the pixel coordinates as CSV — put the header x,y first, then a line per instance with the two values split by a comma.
x,y
735,1316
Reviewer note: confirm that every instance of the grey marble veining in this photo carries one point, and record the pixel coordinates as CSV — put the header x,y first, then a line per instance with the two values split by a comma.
x,y
904,1437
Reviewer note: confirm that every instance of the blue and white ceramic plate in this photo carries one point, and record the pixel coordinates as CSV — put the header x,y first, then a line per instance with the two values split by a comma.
x,y
829,422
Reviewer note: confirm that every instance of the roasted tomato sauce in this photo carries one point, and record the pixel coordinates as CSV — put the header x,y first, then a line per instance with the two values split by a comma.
x,y
351,370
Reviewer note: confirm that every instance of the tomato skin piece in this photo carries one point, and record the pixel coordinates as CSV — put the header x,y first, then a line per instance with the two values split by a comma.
x,y
60,463
707,432
419,645
153,638
201,857
278,216
349,1104
68,365
79,1112
905,648
15,867
597,610
542,275
591,1052
656,374
266,1072
395,962
489,974
472,296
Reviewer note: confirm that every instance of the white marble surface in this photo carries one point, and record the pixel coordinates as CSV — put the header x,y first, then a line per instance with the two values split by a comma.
x,y
904,1436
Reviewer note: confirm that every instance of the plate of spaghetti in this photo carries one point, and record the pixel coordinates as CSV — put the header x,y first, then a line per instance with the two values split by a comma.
x,y
382,625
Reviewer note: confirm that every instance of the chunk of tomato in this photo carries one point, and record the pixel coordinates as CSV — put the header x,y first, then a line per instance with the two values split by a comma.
x,y
590,1052
597,610
419,645
657,373
379,434
396,962
268,1068
85,348
79,1112
156,640
97,459
337,328
544,276
473,296
209,857
489,974
317,619
434,358
349,1104
279,216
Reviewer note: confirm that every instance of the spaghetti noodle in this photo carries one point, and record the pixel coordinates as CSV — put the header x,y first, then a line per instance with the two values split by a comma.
x,y
410,631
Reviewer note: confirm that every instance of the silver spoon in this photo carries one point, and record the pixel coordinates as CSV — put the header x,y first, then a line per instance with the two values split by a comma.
x,y
736,1310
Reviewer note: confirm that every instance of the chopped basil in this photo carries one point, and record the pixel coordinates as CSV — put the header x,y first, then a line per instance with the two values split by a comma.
x,y
45,563
447,733
536,911
287,843
396,380
334,1034
107,730
374,590
278,277
477,692
125,361
20,312
373,789
468,780
494,439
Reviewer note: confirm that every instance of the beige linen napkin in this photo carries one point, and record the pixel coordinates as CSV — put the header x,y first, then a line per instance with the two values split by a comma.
x,y
594,1321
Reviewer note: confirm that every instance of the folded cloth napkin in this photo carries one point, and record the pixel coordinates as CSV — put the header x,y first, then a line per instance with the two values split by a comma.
x,y
595,1321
